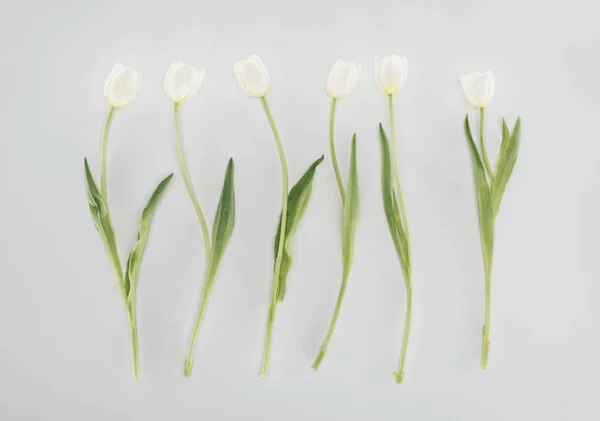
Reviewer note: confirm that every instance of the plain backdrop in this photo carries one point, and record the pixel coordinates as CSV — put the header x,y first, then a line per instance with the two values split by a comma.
x,y
64,347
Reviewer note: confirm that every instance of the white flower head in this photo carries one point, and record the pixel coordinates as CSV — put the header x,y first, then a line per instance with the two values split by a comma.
x,y
252,75
122,86
479,87
182,81
343,78
390,73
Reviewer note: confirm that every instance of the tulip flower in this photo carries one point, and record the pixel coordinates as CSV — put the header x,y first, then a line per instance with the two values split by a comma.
x,y
122,86
479,88
490,186
254,80
182,83
390,75
252,75
120,90
343,79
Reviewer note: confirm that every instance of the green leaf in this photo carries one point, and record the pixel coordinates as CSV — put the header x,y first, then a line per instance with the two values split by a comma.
x,y
298,199
101,218
351,210
135,257
223,223
507,158
484,201
390,206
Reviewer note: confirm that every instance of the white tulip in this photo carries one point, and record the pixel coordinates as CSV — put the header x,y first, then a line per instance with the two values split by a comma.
x,y
390,73
122,86
343,78
182,81
252,75
479,87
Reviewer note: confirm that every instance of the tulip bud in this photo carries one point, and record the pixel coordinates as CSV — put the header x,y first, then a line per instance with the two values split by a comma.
x,y
390,73
343,78
479,87
182,81
252,76
122,86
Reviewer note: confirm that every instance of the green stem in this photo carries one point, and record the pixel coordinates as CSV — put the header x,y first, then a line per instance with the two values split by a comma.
x,y
486,161
189,361
332,325
336,168
404,220
400,371
103,149
190,188
114,254
134,340
279,258
485,344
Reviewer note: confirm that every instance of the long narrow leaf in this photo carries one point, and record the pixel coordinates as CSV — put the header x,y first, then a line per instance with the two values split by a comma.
x,y
298,199
224,221
101,218
507,158
390,206
484,200
135,257
351,210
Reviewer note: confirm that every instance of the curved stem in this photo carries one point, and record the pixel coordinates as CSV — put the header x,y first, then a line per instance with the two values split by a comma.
x,y
332,325
404,220
190,188
336,168
278,259
400,372
114,254
486,161
103,149
397,171
189,361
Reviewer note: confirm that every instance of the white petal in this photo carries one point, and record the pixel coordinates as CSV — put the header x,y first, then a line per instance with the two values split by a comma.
x,y
345,78
252,76
332,75
123,86
479,88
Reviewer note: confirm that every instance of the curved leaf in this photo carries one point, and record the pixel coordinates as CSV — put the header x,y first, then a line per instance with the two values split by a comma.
x,y
507,158
484,201
135,257
351,211
390,206
101,218
298,199
223,223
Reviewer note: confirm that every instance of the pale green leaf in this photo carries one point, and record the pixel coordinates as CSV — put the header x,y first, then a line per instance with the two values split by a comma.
x,y
390,206
223,223
507,158
484,200
351,211
101,218
135,257
298,199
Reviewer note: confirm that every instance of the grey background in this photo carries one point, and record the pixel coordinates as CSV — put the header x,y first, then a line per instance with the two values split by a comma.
x,y
65,352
